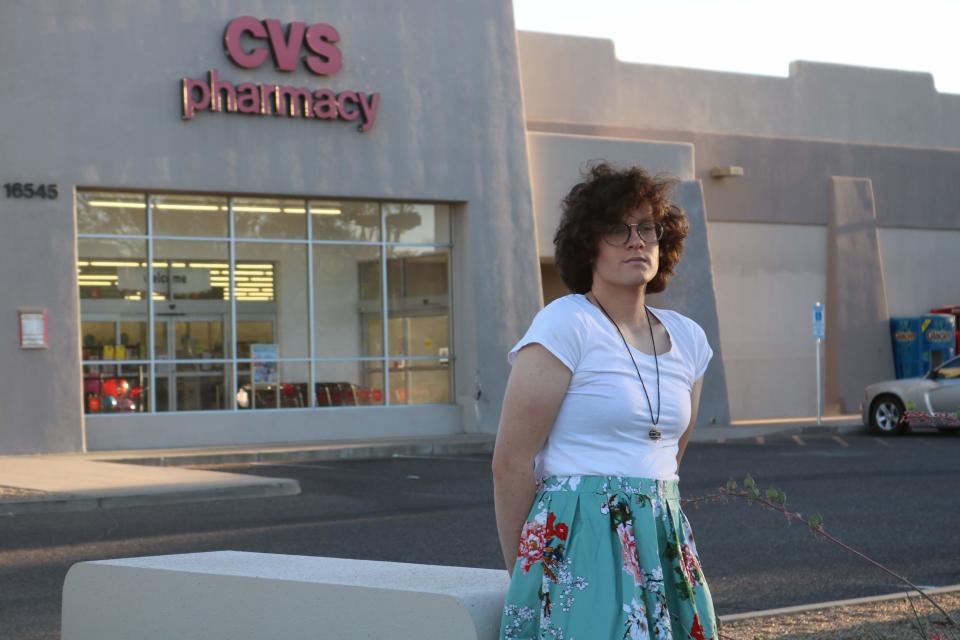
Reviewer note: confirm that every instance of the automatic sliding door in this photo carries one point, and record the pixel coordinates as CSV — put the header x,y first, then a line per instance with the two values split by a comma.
x,y
191,325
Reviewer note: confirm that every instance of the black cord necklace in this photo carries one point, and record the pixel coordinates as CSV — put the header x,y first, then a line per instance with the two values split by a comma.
x,y
654,433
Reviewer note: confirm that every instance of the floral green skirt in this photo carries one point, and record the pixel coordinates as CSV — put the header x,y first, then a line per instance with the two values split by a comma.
x,y
604,558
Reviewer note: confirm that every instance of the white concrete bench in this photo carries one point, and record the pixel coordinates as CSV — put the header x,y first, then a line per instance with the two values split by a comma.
x,y
232,595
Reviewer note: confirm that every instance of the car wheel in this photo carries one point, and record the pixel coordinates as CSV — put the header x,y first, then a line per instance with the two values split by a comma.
x,y
886,415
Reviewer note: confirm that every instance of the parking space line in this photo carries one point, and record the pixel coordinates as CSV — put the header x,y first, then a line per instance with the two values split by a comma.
x,y
291,465
883,442
472,458
841,441
799,440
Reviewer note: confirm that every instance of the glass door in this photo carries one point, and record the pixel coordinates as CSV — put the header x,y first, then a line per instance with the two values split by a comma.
x,y
184,382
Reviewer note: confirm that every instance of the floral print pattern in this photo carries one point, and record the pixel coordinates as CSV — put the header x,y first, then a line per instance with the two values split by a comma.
x,y
537,543
637,628
628,549
542,544
557,559
690,566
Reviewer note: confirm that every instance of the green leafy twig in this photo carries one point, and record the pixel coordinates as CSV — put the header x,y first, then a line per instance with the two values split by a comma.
x,y
776,500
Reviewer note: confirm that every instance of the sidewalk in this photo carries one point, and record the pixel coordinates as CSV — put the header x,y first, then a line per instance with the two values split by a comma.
x,y
112,479
32,484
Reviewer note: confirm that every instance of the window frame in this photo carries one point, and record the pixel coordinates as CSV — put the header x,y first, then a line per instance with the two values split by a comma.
x,y
384,362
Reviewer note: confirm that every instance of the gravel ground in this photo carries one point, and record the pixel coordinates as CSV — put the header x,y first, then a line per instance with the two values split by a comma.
x,y
885,620
14,493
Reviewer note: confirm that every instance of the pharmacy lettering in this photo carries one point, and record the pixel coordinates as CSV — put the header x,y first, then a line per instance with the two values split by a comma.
x,y
284,46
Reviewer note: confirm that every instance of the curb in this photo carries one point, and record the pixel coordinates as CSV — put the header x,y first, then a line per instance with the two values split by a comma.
x,y
59,503
321,453
733,433
752,431
833,604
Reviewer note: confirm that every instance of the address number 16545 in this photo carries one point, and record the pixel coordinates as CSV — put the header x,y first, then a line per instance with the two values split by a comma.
x,y
30,190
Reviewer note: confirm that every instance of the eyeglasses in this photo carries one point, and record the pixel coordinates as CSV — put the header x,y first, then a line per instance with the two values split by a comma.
x,y
619,234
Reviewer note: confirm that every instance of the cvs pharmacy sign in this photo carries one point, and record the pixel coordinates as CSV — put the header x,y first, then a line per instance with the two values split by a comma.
x,y
249,43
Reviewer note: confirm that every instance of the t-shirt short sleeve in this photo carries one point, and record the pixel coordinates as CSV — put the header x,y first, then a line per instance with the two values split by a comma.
x,y
702,353
558,328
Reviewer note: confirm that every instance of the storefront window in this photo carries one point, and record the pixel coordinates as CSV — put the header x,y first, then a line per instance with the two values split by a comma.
x,y
419,382
349,383
345,220
191,299
417,223
348,304
419,322
190,215
270,218
272,289
289,312
193,387
113,269
114,324
115,388
105,212
272,384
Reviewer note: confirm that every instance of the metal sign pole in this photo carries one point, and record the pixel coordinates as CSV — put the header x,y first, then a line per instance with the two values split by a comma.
x,y
819,332
819,387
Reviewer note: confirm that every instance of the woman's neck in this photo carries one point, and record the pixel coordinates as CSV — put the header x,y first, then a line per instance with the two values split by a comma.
x,y
626,305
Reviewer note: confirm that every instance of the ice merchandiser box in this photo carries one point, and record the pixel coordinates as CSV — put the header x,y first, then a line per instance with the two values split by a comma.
x,y
905,333
922,343
937,340
955,312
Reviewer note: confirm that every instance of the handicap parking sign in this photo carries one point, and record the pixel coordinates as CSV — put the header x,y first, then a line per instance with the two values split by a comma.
x,y
819,324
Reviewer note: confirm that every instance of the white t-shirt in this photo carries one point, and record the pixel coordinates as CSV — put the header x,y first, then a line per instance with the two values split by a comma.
x,y
603,424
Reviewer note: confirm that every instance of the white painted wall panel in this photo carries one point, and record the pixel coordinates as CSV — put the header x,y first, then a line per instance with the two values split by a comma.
x,y
919,270
767,277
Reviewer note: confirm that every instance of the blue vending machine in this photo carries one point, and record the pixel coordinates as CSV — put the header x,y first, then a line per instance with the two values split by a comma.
x,y
905,334
937,340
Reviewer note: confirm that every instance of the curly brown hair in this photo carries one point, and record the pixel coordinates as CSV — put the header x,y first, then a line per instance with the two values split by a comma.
x,y
604,198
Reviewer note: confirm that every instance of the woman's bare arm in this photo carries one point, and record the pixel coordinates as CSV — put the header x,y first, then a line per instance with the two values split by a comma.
x,y
694,410
532,400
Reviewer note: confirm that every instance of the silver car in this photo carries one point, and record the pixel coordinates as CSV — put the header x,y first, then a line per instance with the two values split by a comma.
x,y
895,406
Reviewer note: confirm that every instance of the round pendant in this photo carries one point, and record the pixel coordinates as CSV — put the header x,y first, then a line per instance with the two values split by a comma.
x,y
654,433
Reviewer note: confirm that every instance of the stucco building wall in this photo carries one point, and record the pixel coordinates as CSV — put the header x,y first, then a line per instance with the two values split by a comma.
x,y
769,230
92,99
580,80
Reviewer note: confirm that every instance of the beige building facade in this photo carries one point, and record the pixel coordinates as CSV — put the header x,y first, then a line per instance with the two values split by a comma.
x,y
849,196
227,225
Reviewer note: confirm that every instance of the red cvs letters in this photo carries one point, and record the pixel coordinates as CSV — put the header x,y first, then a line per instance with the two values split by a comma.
x,y
248,43
320,39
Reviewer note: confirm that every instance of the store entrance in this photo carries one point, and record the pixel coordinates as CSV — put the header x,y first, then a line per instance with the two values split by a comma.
x,y
193,385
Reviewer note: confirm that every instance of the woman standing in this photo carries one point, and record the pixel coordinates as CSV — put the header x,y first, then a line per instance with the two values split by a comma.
x,y
598,410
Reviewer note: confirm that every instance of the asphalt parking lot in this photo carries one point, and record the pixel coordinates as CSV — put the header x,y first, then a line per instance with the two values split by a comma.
x,y
893,498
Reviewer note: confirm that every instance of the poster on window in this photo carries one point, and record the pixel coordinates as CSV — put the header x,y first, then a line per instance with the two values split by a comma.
x,y
264,363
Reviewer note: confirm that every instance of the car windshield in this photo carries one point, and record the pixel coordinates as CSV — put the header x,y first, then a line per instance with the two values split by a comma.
x,y
949,369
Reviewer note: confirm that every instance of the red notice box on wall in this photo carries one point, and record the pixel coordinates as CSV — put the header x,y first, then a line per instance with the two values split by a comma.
x,y
33,328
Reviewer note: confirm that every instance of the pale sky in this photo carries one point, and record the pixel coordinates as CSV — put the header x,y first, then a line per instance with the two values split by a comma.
x,y
764,36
